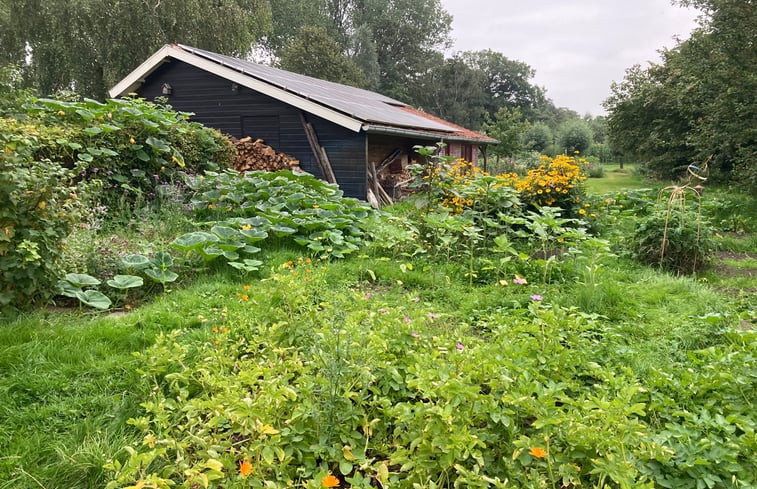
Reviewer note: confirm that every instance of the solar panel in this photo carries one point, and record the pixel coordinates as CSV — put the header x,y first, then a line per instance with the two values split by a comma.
x,y
358,103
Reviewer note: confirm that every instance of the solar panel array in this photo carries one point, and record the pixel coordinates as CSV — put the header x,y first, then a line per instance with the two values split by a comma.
x,y
357,103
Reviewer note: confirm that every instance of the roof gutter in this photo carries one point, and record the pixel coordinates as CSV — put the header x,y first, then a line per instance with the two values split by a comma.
x,y
398,131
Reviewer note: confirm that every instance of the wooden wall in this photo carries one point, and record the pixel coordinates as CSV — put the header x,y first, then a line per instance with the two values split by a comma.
x,y
245,112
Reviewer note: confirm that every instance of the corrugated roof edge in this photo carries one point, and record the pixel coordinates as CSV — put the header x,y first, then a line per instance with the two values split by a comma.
x,y
426,134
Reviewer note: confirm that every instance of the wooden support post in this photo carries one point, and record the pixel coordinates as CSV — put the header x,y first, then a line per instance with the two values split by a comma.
x,y
318,151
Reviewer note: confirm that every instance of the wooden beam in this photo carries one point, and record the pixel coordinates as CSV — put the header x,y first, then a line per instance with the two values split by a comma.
x,y
389,159
318,151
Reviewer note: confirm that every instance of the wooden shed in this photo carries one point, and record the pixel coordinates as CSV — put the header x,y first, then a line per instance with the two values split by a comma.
x,y
316,121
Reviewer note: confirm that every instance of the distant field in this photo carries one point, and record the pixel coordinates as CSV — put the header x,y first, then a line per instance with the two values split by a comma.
x,y
616,179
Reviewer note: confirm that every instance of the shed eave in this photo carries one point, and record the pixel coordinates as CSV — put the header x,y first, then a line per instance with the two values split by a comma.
x,y
421,134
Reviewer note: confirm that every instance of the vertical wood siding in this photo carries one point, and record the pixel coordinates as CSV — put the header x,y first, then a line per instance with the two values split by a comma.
x,y
216,105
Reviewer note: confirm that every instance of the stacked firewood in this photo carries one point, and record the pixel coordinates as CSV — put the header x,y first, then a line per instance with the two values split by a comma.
x,y
256,155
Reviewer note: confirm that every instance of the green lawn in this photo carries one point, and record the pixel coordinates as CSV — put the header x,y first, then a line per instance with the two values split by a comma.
x,y
615,179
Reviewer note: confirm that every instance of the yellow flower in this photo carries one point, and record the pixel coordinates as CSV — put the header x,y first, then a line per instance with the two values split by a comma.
x,y
582,212
537,452
131,141
330,481
245,468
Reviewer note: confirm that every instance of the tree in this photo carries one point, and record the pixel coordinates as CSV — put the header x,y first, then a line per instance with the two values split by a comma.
x,y
539,137
507,81
574,136
288,19
407,35
509,127
365,56
698,104
314,53
450,89
89,45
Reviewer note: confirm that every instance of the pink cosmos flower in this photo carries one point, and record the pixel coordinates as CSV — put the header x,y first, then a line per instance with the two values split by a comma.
x,y
460,346
537,297
431,315
519,281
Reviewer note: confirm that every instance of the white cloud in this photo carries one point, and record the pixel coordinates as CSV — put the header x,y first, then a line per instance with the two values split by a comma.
x,y
577,48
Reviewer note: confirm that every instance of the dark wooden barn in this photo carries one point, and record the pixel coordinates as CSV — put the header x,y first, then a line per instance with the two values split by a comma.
x,y
358,130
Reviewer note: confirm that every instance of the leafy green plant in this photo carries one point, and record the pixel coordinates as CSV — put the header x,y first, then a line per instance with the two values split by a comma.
x,y
39,201
73,285
245,209
132,146
681,244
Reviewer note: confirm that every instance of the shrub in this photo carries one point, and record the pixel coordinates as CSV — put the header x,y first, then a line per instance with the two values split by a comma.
x,y
556,182
131,145
595,170
538,138
574,137
679,241
38,203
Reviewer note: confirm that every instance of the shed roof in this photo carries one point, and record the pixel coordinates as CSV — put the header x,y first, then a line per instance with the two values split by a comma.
x,y
354,108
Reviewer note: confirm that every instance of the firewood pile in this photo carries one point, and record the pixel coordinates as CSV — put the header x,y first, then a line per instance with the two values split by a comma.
x,y
256,155
395,184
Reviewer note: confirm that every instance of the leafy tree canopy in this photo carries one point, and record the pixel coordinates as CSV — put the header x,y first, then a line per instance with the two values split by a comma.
x,y
698,104
89,45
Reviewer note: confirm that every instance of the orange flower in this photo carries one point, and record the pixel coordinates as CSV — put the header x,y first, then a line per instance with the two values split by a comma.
x,y
537,452
245,468
245,297
246,287
330,481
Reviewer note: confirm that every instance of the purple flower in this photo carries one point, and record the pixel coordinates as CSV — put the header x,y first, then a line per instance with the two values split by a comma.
x,y
407,320
415,335
431,315
95,170
156,177
537,297
460,346
519,281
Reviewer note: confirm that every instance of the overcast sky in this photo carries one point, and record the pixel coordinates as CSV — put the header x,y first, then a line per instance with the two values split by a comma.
x,y
577,47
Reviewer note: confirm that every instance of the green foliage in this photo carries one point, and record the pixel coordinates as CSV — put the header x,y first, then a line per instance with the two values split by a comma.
x,y
538,137
380,388
315,53
93,44
452,90
38,204
280,205
509,128
679,241
574,137
135,148
11,92
698,104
